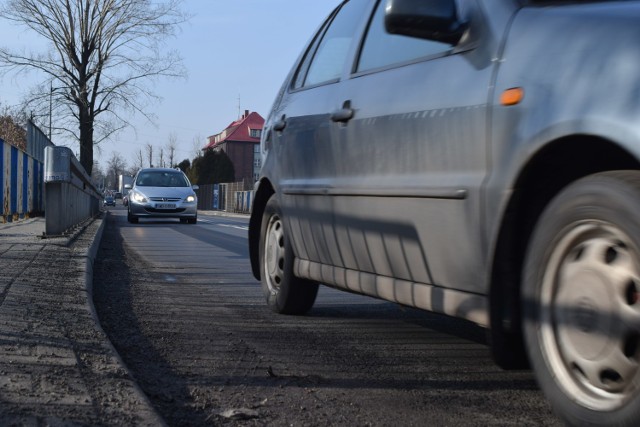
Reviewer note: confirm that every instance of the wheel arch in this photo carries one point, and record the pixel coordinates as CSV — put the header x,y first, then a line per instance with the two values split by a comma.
x,y
263,193
552,168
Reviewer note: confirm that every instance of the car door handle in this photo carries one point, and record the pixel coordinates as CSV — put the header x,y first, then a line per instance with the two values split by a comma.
x,y
344,114
280,124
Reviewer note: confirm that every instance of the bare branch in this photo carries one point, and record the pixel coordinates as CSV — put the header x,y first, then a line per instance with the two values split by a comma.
x,y
101,58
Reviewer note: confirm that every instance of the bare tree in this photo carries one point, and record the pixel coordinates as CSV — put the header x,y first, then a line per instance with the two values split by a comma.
x,y
172,145
161,158
102,57
139,159
149,150
197,146
115,166
97,175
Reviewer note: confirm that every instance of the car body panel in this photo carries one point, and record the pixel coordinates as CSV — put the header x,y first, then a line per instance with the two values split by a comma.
x,y
412,192
601,35
302,149
422,166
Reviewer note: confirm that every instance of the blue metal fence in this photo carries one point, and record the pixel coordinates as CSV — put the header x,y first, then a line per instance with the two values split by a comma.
x,y
21,183
243,201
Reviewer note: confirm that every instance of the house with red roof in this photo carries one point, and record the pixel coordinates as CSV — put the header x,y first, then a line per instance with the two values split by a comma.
x,y
241,142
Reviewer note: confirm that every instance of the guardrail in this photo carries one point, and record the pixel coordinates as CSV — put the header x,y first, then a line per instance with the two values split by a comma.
x,y
70,196
20,184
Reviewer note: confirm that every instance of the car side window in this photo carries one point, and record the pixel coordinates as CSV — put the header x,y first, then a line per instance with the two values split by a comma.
x,y
382,49
330,52
301,74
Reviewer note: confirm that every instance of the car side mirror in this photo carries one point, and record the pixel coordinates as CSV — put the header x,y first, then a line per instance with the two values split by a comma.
x,y
195,186
435,20
127,186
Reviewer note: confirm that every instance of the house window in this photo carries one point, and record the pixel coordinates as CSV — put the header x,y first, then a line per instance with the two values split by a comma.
x,y
255,133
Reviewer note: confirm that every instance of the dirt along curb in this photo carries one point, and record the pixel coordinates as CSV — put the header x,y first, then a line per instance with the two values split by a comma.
x,y
57,365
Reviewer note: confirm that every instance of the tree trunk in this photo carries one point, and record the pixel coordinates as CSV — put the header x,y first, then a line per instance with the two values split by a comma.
x,y
86,140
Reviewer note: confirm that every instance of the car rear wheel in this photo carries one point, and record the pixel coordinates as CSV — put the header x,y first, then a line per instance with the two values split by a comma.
x,y
284,292
581,301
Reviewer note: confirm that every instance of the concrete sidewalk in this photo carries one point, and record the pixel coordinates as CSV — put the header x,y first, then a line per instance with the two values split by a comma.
x,y
57,366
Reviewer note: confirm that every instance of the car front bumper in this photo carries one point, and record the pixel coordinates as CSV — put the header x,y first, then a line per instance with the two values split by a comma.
x,y
157,210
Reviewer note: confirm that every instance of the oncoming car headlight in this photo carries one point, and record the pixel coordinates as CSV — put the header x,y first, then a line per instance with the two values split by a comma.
x,y
190,199
139,198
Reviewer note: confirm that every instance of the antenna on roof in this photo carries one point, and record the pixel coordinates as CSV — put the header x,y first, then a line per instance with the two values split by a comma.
x,y
239,107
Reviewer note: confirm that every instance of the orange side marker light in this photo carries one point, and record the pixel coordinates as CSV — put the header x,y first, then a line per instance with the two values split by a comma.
x,y
512,96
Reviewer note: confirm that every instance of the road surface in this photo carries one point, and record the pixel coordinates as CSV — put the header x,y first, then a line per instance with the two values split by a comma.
x,y
181,307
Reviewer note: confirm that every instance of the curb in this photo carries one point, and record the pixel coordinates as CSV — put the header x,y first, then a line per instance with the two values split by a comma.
x,y
89,256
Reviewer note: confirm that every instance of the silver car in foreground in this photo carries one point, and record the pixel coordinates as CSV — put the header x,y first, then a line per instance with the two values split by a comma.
x,y
162,193
476,158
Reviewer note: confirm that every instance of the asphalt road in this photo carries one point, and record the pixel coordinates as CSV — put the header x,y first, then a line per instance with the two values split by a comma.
x,y
180,305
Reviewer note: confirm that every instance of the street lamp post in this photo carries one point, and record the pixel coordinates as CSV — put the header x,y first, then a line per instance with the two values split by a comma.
x,y
51,90
50,108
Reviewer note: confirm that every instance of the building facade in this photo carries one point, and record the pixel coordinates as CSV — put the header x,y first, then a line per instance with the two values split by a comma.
x,y
241,142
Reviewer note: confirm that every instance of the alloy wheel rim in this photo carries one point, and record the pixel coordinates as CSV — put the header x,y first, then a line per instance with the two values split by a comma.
x,y
590,315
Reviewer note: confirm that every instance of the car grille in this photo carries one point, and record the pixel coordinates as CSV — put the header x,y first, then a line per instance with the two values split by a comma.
x,y
164,211
165,199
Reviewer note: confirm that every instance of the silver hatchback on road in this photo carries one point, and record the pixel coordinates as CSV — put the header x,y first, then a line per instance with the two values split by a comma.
x,y
475,158
162,193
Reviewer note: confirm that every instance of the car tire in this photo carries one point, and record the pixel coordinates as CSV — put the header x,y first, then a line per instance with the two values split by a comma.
x,y
132,218
192,220
581,305
285,293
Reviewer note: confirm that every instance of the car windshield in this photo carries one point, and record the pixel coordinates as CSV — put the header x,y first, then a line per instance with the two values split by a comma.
x,y
161,179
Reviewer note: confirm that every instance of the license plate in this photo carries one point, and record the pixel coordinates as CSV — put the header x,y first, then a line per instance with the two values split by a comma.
x,y
165,205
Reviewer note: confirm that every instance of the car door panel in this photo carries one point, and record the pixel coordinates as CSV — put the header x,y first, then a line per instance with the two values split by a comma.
x,y
303,146
407,183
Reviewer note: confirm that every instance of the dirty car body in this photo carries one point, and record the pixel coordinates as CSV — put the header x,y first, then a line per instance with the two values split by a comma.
x,y
476,158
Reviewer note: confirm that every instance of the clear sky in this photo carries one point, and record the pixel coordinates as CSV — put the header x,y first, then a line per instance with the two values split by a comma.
x,y
233,50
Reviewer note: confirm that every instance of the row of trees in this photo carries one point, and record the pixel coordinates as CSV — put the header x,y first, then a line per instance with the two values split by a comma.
x,y
12,127
212,167
208,167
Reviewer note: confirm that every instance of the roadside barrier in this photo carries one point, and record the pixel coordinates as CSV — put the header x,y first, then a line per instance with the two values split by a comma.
x,y
20,184
70,195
